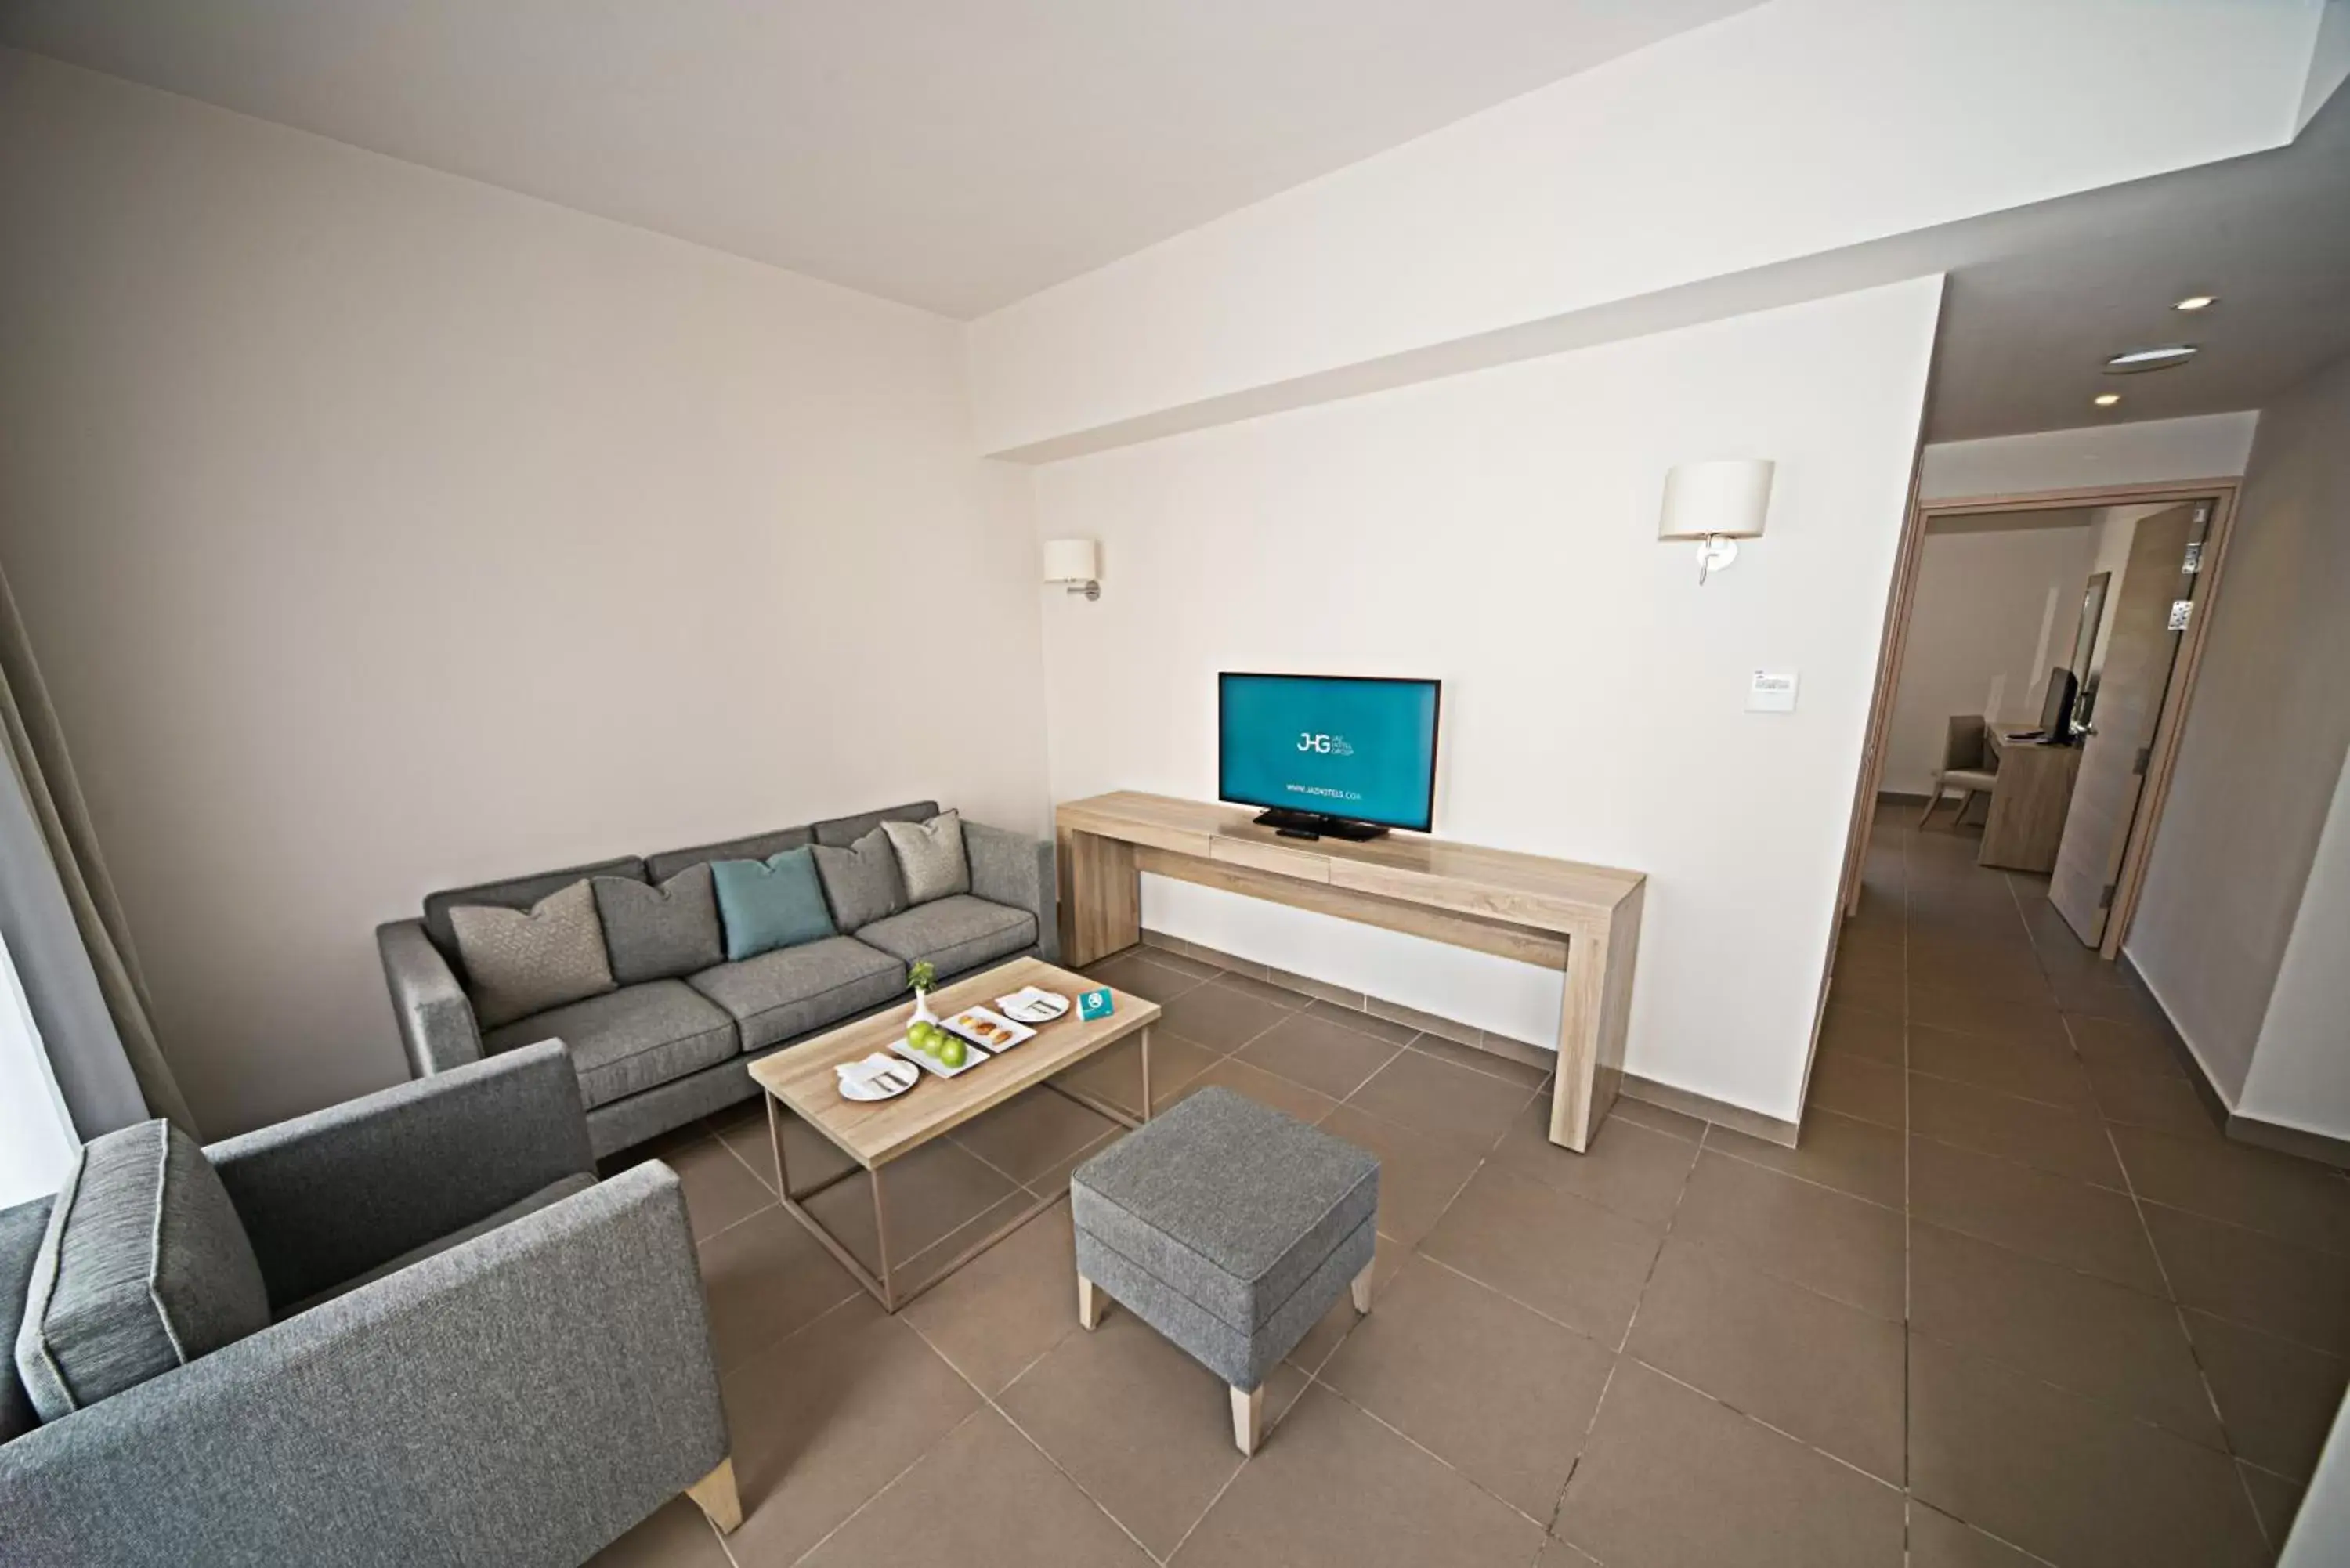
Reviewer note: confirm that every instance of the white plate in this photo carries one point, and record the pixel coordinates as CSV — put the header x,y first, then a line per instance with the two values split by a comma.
x,y
877,1078
1033,1005
973,1057
988,1030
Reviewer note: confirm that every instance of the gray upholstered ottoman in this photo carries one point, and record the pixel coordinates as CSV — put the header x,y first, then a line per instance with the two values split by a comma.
x,y
1229,1228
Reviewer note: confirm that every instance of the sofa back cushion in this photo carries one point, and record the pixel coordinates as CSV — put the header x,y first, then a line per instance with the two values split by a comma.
x,y
657,932
521,961
772,903
513,893
861,882
930,857
21,1230
758,847
843,831
144,1266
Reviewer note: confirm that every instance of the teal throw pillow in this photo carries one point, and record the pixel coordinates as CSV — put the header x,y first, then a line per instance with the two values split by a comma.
x,y
768,904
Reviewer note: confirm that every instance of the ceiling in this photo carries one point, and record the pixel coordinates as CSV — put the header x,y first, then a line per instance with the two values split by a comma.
x,y
953,155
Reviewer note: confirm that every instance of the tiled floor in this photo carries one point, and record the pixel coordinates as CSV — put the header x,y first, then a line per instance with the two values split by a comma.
x,y
2013,1300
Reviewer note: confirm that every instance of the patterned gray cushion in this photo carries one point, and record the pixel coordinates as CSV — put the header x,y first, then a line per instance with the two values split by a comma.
x,y
658,933
521,961
930,857
145,1266
758,847
843,831
513,893
861,882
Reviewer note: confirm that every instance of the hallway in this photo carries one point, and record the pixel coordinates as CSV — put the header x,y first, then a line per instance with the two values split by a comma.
x,y
2125,1333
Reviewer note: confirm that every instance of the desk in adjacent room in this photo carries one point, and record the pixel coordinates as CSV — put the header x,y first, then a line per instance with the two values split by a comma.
x,y
2028,804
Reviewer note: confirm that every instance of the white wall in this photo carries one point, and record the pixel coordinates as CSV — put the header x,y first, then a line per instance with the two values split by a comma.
x,y
2300,1070
1994,610
2230,878
1719,150
1498,531
379,531
2148,451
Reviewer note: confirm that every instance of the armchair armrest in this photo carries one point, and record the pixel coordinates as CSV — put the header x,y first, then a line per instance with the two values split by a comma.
x,y
328,1196
1012,868
437,1027
522,1398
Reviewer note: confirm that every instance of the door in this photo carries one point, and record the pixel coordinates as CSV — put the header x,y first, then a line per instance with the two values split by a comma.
x,y
2149,618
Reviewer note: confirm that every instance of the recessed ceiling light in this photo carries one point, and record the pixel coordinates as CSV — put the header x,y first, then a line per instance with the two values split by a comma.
x,y
2106,400
2133,360
2197,302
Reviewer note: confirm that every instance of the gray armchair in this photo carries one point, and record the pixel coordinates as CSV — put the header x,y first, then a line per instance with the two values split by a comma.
x,y
481,1354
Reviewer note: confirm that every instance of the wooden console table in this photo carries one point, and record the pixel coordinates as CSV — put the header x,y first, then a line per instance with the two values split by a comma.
x,y
1582,920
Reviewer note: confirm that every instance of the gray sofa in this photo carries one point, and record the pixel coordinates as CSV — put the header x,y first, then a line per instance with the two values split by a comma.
x,y
479,1354
654,1056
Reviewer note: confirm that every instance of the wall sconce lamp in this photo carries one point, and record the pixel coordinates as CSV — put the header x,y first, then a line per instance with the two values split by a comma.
x,y
1717,504
1077,562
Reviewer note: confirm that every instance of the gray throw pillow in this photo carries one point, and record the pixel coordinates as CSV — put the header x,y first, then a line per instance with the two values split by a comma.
x,y
930,857
522,961
861,882
654,933
145,1267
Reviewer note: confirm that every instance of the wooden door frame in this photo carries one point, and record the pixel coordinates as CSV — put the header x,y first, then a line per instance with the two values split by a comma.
x,y
2147,820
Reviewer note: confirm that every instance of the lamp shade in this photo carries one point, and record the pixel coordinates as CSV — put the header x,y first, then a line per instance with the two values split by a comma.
x,y
1071,561
1726,499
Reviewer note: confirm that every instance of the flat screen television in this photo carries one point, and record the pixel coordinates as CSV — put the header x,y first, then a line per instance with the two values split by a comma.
x,y
1346,755
2056,707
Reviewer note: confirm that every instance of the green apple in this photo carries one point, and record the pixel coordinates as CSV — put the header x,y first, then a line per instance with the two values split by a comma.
x,y
952,1054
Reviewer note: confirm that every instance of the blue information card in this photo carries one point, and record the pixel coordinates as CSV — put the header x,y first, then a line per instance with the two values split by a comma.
x,y
1094,1003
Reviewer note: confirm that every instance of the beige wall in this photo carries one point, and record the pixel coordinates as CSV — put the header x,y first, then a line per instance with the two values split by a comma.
x,y
2262,755
378,530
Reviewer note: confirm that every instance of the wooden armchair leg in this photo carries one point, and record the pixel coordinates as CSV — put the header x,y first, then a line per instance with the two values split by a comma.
x,y
714,1494
1248,1418
1089,1303
1362,1289
1933,799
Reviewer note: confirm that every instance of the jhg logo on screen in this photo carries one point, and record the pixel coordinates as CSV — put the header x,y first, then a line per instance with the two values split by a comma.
x,y
1327,745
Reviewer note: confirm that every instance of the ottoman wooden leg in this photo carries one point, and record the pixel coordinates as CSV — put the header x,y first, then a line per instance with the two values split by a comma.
x,y
1248,1417
1089,1303
714,1494
1362,1287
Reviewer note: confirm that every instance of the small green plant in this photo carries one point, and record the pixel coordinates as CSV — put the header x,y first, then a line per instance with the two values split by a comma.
x,y
921,977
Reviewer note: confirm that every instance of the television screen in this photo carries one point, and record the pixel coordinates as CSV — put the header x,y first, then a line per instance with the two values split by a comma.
x,y
1354,747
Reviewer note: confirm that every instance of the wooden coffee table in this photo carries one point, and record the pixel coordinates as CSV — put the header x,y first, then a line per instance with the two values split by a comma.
x,y
875,1133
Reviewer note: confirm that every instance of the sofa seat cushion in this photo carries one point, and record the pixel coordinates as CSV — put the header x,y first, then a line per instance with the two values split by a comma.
x,y
552,1193
628,1040
954,933
790,991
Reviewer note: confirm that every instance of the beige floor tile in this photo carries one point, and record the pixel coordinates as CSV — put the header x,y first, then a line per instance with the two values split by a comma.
x,y
1836,1150
2099,1339
1331,1331
1570,1259
2274,1498
2106,995
1430,1096
2248,1278
1363,1022
1115,1076
1056,1181
983,1499
1476,1059
1674,1480
719,1188
1266,1088
2291,1199
2277,1398
1326,1057
765,1278
1008,1306
2116,1042
1146,1430
1937,1540
1334,1486
2058,1139
2030,1069
1856,1086
814,1159
1140,973
824,1419
1853,1031
1499,1393
1557,1554
1827,1373
1826,1240
1181,962
1657,1118
676,1536
1966,1010
1628,1168
1872,988
1263,991
2067,1478
2052,1217
1420,1175
1221,1019
2154,1100
930,1194
1030,1134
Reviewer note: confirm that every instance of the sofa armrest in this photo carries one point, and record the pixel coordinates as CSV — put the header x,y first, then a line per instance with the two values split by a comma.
x,y
330,1195
1012,868
437,1027
522,1398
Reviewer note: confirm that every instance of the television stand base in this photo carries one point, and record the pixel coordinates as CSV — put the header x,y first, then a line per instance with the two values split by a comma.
x,y
1314,825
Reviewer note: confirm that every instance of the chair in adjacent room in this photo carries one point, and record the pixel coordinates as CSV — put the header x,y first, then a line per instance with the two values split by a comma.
x,y
1964,767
